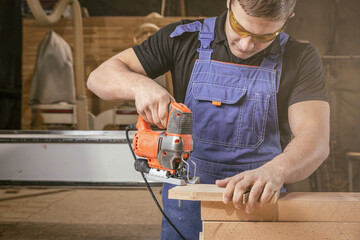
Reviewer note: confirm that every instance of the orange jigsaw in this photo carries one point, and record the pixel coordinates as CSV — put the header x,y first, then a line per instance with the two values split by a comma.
x,y
166,153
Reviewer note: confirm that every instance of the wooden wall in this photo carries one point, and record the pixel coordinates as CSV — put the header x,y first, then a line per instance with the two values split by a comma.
x,y
103,38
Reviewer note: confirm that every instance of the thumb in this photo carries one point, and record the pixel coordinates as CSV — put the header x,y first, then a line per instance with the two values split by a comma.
x,y
223,182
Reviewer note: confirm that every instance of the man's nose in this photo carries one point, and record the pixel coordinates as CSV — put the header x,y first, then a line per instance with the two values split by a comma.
x,y
246,44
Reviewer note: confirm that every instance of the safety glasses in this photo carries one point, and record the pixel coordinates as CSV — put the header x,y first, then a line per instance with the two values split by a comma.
x,y
242,32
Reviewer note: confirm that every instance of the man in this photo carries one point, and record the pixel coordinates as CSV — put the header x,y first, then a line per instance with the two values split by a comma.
x,y
249,86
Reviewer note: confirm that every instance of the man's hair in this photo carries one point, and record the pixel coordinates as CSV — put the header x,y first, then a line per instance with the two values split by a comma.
x,y
270,9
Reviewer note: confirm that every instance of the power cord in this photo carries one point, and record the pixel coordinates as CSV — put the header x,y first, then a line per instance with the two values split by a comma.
x,y
128,128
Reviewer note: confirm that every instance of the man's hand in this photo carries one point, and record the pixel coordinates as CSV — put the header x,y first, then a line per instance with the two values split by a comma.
x,y
264,182
309,123
122,77
152,103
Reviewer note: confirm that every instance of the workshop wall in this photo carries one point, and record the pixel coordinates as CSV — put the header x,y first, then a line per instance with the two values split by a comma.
x,y
330,25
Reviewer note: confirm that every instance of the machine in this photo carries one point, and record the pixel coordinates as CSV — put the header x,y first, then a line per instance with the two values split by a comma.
x,y
67,158
166,154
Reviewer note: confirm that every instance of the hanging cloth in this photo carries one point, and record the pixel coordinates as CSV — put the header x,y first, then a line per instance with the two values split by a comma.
x,y
53,79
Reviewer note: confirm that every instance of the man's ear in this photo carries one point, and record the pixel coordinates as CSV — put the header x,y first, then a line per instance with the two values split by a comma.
x,y
292,15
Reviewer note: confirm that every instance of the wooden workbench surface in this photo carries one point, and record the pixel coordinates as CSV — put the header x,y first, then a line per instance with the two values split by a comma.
x,y
296,215
295,206
211,192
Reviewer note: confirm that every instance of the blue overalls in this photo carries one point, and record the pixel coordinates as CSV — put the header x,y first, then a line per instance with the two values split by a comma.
x,y
235,122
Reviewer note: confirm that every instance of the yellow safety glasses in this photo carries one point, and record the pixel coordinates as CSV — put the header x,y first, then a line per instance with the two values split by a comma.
x,y
242,32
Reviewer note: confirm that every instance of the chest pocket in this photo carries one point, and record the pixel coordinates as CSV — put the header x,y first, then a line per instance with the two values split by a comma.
x,y
229,116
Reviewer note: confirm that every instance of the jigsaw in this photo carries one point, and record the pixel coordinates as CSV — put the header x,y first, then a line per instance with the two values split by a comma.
x,y
166,155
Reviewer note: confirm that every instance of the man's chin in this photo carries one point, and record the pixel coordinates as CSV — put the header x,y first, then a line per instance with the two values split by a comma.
x,y
242,54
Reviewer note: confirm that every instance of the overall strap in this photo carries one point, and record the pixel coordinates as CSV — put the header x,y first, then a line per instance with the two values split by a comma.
x,y
284,37
190,27
274,61
206,36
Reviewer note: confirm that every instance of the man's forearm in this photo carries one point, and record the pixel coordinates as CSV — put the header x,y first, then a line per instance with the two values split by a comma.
x,y
113,81
123,78
302,156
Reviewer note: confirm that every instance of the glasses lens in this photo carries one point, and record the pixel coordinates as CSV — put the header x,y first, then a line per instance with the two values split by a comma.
x,y
238,30
244,34
263,39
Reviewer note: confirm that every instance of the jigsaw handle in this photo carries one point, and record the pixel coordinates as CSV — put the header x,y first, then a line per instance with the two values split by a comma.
x,y
142,124
175,109
179,120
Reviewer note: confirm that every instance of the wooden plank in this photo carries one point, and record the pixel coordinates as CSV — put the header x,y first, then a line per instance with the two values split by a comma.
x,y
211,192
281,230
300,206
218,211
285,211
197,192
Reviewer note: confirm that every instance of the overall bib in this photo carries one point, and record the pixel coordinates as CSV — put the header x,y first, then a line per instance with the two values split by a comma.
x,y
235,122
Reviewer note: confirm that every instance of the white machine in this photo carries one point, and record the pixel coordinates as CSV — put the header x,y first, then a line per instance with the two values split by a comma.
x,y
66,158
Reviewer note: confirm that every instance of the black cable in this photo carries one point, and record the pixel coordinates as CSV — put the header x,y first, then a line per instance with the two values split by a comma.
x,y
128,128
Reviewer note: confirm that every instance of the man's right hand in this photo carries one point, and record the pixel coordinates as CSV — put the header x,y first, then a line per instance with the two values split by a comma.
x,y
152,102
122,77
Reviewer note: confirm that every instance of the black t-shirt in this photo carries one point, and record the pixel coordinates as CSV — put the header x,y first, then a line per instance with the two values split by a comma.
x,y
301,78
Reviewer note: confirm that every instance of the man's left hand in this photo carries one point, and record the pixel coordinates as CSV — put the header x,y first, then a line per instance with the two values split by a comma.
x,y
263,182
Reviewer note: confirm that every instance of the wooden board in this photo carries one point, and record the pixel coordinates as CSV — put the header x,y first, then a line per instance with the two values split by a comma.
x,y
284,211
218,211
281,230
201,236
197,192
300,206
211,192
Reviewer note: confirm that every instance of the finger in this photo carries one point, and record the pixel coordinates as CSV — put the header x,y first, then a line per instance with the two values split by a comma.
x,y
141,111
143,115
229,190
266,195
240,188
222,182
148,115
156,119
254,196
163,113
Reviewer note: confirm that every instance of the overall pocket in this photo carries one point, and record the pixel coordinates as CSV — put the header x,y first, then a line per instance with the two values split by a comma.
x,y
229,116
254,118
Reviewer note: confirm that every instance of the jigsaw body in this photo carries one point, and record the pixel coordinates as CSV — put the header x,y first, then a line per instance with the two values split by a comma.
x,y
166,154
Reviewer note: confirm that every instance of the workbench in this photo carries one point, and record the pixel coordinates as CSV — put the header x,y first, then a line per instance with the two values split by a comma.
x,y
296,215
